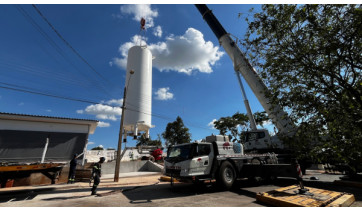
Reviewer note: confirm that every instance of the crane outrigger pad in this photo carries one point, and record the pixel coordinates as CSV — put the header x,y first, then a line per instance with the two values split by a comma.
x,y
290,197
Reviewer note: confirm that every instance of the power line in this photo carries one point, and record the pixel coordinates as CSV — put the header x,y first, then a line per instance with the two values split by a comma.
x,y
68,44
20,89
165,118
54,45
44,94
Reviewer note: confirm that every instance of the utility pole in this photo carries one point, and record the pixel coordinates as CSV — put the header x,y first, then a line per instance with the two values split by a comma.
x,y
118,160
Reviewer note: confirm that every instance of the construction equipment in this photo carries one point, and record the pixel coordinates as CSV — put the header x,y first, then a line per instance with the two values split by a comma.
x,y
50,170
256,140
216,158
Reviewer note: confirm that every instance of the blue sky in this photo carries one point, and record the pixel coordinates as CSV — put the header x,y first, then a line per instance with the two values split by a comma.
x,y
199,89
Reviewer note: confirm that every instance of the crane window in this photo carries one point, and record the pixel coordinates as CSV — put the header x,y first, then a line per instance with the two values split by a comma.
x,y
261,134
255,136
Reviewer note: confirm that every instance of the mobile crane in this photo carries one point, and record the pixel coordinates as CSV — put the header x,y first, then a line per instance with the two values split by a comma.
x,y
255,139
218,158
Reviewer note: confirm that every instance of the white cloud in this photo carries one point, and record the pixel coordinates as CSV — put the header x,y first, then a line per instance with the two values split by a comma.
x,y
21,104
91,142
164,94
117,102
185,53
49,111
104,112
267,123
103,124
211,124
123,49
157,31
140,11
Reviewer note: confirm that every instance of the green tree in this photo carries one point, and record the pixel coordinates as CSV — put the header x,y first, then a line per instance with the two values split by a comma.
x,y
238,123
176,133
310,56
100,147
143,141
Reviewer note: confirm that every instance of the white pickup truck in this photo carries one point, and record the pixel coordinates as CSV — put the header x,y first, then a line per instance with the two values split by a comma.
x,y
218,158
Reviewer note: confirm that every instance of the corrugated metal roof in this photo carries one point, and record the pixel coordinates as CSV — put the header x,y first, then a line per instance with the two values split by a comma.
x,y
51,117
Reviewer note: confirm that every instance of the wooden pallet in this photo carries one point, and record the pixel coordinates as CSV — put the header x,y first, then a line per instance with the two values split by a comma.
x,y
289,197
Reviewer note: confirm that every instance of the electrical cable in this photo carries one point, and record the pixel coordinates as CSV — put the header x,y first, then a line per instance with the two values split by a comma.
x,y
44,94
56,47
68,44
59,50
90,102
39,72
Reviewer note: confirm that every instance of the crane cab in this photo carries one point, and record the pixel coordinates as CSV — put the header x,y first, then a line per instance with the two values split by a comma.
x,y
261,140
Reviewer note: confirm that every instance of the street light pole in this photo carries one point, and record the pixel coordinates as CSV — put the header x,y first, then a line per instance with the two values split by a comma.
x,y
118,160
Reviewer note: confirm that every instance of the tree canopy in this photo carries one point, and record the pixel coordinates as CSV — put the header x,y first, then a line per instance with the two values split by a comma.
x,y
100,147
310,57
238,123
176,133
143,141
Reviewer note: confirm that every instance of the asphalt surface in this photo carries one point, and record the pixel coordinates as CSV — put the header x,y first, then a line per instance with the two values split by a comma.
x,y
145,190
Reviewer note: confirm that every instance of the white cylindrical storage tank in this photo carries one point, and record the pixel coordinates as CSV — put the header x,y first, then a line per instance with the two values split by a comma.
x,y
137,116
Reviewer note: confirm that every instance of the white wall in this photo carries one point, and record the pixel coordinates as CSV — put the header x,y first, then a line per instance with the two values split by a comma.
x,y
111,155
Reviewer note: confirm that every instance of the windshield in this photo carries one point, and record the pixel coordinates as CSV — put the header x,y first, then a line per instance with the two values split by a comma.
x,y
254,136
180,153
185,152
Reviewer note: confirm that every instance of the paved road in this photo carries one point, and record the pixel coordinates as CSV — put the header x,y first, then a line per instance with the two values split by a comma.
x,y
147,191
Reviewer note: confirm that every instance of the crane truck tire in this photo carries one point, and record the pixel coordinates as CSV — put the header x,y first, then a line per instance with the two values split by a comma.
x,y
226,176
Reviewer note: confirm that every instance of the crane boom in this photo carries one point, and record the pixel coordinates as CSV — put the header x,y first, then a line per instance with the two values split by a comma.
x,y
241,64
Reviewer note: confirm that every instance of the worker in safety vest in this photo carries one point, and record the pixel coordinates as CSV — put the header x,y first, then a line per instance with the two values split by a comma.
x,y
72,167
96,173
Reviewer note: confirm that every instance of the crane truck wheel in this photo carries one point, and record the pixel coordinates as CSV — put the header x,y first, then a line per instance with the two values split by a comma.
x,y
227,175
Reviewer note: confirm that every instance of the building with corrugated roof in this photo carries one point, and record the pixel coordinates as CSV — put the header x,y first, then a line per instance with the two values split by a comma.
x,y
40,145
34,139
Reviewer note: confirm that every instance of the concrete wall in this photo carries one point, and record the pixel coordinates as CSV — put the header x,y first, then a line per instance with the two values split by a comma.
x,y
93,156
132,166
125,166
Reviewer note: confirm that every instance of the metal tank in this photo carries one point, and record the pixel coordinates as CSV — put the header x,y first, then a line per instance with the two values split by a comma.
x,y
137,116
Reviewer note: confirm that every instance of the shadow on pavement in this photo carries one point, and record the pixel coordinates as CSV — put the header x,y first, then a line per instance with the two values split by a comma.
x,y
21,195
18,197
148,193
64,198
144,194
